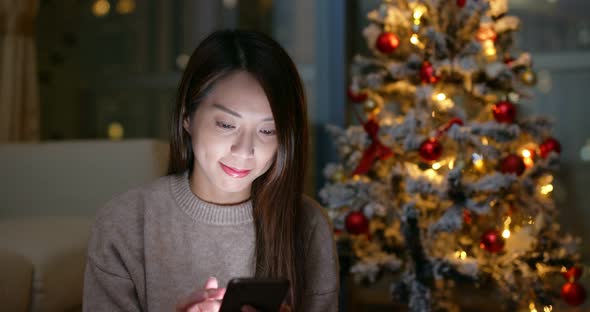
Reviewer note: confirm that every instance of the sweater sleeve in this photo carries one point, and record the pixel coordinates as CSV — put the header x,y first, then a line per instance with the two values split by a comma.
x,y
114,278
321,272
105,291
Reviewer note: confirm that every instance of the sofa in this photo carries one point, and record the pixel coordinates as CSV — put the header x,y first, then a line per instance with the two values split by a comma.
x,y
49,193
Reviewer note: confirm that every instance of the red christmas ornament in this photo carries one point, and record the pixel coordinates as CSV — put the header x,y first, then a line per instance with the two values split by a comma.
x,y
356,223
492,241
512,164
573,293
461,3
387,42
430,149
427,74
572,274
504,112
548,146
357,97
467,218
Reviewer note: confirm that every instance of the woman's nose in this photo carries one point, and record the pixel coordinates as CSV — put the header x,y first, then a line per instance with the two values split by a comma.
x,y
243,146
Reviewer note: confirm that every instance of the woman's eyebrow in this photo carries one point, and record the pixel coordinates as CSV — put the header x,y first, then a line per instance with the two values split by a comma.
x,y
231,112
227,110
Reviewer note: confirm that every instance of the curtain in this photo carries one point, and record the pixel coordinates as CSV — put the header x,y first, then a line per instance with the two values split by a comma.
x,y
19,92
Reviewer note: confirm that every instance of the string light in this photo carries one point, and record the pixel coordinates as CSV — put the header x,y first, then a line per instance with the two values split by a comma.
x,y
484,141
477,161
436,165
506,232
548,308
101,8
125,6
528,153
532,307
460,254
546,189
419,10
489,49
452,164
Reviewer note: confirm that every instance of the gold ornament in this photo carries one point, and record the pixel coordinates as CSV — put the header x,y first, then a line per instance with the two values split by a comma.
x,y
528,77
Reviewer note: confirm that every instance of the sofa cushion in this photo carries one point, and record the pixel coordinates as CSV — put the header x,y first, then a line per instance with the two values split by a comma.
x,y
74,177
56,249
16,274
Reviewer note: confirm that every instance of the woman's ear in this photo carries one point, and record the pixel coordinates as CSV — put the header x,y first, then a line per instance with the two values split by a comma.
x,y
186,124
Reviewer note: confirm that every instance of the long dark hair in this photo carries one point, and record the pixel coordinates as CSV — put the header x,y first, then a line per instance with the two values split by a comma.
x,y
277,194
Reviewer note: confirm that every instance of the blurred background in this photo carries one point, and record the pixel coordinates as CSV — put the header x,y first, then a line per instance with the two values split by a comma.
x,y
106,72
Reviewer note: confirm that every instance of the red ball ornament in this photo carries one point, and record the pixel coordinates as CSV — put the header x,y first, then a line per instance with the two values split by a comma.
x,y
356,223
461,3
387,42
467,217
512,164
427,74
492,241
357,97
548,146
572,274
430,149
504,112
573,293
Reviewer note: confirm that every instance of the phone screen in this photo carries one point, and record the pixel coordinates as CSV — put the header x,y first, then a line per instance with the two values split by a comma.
x,y
265,295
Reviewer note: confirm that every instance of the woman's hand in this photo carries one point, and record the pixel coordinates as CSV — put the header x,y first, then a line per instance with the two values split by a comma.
x,y
284,308
207,299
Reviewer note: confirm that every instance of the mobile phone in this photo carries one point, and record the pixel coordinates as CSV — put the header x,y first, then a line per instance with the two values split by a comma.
x,y
265,295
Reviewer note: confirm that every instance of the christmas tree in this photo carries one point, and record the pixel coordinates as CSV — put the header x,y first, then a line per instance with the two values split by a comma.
x,y
445,180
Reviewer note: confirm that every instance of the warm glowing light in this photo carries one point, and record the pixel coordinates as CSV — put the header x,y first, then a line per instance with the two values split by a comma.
x,y
414,39
489,49
460,254
526,153
485,141
436,165
547,308
506,233
507,221
441,97
532,307
486,34
528,162
546,189
101,7
431,174
418,12
452,164
478,162
125,6
356,177
115,131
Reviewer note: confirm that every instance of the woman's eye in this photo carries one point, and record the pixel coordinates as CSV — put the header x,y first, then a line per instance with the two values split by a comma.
x,y
224,125
268,132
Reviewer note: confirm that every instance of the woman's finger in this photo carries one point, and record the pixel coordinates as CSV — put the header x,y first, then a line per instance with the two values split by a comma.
x,y
201,296
211,283
206,306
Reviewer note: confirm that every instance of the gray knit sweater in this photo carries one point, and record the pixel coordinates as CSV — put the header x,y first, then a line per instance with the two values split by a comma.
x,y
154,245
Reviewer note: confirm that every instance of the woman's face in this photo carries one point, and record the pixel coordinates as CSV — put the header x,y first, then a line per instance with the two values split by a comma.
x,y
233,138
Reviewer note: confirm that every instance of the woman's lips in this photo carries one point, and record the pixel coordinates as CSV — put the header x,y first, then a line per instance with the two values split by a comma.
x,y
234,173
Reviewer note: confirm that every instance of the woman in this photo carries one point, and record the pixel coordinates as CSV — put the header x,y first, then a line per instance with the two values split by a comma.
x,y
232,204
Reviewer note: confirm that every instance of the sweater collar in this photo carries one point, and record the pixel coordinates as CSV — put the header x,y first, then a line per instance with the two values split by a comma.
x,y
207,212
